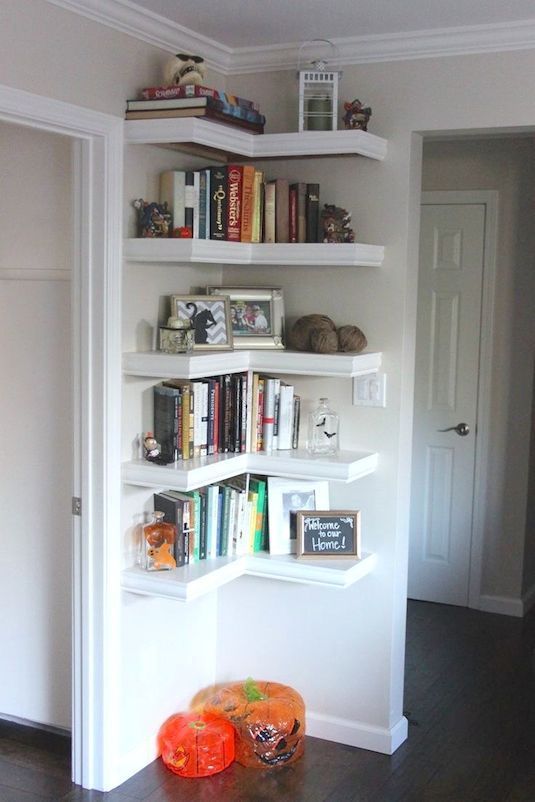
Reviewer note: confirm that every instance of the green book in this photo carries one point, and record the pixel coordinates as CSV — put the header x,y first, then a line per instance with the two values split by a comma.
x,y
258,486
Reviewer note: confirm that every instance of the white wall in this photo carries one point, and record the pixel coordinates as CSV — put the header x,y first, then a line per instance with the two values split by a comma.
x,y
35,411
99,68
505,165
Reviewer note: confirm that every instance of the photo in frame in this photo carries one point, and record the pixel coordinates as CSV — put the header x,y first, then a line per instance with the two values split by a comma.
x,y
257,315
328,534
210,319
286,497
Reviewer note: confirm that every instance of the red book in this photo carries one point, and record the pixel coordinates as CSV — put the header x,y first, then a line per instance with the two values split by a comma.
x,y
234,202
293,214
192,90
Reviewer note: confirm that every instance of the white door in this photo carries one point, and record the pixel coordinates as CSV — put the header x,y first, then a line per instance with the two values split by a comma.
x,y
452,252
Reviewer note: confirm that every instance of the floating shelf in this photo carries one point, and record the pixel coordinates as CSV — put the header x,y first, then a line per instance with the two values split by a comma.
x,y
174,251
197,579
346,466
232,141
214,363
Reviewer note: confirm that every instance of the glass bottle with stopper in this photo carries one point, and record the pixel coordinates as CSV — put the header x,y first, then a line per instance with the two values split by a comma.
x,y
157,544
323,428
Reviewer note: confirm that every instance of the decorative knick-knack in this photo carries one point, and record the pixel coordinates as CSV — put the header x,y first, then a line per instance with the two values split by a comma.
x,y
157,544
323,426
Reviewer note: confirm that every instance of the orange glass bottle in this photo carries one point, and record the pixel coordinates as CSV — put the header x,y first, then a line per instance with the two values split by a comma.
x,y
157,548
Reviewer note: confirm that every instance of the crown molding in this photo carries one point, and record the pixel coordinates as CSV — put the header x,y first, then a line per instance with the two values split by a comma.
x,y
151,28
133,20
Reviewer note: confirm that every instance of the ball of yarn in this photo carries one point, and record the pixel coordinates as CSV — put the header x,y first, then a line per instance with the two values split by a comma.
x,y
323,341
301,331
351,338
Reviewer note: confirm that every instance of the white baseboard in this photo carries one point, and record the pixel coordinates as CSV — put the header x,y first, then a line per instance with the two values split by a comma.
x,y
356,733
134,761
65,731
502,605
528,599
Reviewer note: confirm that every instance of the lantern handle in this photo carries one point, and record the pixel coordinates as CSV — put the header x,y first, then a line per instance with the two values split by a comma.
x,y
334,50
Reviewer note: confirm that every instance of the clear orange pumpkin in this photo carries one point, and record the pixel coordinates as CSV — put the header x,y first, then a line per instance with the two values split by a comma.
x,y
269,718
196,744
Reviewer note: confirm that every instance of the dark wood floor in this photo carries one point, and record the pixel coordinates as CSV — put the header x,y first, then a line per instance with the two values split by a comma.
x,y
470,700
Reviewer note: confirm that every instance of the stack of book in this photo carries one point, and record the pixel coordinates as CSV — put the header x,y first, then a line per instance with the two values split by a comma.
x,y
218,520
235,202
230,413
159,102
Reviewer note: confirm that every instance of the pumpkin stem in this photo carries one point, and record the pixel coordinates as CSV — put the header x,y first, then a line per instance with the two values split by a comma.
x,y
252,691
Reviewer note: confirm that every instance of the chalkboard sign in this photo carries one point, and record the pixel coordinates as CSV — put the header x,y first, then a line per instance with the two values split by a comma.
x,y
332,533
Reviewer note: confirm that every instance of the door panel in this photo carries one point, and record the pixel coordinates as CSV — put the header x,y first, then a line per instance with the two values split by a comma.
x,y
447,365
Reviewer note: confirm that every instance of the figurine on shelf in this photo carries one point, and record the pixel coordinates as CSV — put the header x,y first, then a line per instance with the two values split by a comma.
x,y
152,450
184,69
182,232
335,224
356,115
154,219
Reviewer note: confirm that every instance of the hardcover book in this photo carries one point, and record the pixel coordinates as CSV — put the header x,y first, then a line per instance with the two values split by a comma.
x,y
234,201
247,210
269,211
165,417
282,212
194,90
312,212
218,203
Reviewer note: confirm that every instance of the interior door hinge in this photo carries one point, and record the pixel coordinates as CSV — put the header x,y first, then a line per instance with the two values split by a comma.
x,y
76,505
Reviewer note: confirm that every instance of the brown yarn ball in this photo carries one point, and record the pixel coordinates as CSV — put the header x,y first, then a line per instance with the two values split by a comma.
x,y
299,336
324,341
351,338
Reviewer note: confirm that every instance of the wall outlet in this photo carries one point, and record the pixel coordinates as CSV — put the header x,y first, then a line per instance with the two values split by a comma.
x,y
369,390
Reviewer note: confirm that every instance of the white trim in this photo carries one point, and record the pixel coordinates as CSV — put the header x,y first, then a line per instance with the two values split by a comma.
x,y
33,274
162,32
500,605
357,733
96,473
488,198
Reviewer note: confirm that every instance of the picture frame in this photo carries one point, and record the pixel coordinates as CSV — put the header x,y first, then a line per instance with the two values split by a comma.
x,y
210,316
257,315
285,497
328,534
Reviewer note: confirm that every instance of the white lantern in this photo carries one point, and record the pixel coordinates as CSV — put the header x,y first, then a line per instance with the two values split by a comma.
x,y
318,93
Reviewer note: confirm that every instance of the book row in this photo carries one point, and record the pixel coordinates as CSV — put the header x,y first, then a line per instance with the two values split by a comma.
x,y
215,109
218,520
191,91
242,412
236,203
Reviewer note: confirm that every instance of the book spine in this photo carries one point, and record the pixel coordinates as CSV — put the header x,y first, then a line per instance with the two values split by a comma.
x,y
193,90
202,204
268,414
204,395
257,232
196,203
179,426
218,203
243,412
292,222
189,201
227,417
276,402
260,414
236,418
247,203
165,416
217,394
282,213
202,528
234,203
296,421
225,520
284,440
172,515
312,212
172,192
269,212
211,416
197,414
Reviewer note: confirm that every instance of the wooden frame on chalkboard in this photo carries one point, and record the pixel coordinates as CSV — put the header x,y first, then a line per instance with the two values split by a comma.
x,y
328,534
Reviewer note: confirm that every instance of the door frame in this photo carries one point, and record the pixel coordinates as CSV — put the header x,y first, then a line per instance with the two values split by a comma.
x,y
490,199
96,296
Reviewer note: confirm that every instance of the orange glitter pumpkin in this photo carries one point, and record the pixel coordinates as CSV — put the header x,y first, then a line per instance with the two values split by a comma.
x,y
269,718
196,745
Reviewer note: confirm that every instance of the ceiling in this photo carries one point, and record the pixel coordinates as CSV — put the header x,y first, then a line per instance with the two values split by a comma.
x,y
242,23
237,36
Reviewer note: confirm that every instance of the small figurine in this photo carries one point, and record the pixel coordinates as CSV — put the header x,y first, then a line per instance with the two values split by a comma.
x,y
184,69
356,115
154,219
335,224
151,447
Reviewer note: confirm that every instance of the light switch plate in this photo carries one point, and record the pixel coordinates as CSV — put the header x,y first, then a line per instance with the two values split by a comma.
x,y
369,390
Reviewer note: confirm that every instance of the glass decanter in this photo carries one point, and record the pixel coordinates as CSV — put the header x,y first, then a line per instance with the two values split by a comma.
x,y
158,543
323,427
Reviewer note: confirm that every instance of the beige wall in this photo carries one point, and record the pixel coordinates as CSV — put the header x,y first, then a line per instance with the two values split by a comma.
x,y
508,166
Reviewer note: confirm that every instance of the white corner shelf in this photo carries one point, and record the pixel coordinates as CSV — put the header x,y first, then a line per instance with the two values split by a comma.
x,y
176,251
228,140
191,581
154,364
346,467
